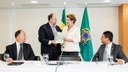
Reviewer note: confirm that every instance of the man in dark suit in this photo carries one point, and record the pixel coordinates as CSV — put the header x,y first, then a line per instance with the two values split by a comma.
x,y
108,49
47,33
20,50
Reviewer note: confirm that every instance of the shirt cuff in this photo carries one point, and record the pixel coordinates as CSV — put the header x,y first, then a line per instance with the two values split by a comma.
x,y
49,42
123,61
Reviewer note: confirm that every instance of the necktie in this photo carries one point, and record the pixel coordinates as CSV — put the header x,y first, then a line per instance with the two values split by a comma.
x,y
20,52
105,55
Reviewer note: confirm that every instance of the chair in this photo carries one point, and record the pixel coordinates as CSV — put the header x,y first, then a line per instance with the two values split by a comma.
x,y
1,56
70,56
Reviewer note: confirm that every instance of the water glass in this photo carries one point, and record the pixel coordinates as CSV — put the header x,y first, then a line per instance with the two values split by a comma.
x,y
6,56
110,59
46,57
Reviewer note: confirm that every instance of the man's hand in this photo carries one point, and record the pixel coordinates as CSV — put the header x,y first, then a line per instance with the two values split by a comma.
x,y
65,38
120,61
9,60
53,42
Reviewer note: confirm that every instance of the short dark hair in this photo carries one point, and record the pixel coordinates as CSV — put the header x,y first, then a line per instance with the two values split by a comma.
x,y
72,17
50,16
17,33
108,34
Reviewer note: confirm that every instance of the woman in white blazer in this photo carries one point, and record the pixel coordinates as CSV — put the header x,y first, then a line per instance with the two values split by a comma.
x,y
71,37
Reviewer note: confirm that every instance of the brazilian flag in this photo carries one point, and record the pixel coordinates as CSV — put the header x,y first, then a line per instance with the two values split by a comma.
x,y
63,20
85,44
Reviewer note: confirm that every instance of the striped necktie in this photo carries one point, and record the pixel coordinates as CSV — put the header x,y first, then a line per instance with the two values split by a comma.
x,y
20,52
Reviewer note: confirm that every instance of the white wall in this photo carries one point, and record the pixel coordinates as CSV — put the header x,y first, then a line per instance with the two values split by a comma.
x,y
4,29
30,20
102,19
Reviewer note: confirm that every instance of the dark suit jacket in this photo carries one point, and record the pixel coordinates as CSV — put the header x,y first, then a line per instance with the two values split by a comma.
x,y
27,51
45,35
116,52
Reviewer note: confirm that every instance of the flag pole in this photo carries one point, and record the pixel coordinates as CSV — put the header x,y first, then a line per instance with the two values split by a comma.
x,y
86,42
85,4
65,4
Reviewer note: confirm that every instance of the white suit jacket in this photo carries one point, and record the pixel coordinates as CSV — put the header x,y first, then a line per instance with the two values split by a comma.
x,y
74,34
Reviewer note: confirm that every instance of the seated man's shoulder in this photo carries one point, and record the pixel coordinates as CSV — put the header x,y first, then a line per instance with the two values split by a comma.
x,y
118,46
102,45
27,44
9,46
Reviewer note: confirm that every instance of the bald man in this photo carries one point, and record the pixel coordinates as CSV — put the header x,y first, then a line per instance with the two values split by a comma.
x,y
47,33
20,50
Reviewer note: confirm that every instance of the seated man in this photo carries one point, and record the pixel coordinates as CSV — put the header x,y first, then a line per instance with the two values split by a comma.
x,y
20,50
108,48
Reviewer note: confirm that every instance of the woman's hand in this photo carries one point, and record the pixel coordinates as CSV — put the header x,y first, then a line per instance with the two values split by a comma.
x,y
67,39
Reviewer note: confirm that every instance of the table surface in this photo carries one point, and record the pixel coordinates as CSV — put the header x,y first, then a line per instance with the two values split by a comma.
x,y
68,66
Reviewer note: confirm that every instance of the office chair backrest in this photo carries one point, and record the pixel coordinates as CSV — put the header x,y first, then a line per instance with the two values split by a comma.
x,y
70,58
1,56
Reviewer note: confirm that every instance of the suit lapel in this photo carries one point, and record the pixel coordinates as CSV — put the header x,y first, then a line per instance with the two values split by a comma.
x,y
15,50
24,50
103,51
112,49
50,30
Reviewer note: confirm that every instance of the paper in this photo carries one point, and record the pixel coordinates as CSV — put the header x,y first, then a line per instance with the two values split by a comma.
x,y
59,37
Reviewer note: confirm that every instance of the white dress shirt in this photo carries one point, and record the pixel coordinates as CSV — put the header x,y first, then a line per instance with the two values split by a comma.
x,y
107,52
54,32
53,29
74,34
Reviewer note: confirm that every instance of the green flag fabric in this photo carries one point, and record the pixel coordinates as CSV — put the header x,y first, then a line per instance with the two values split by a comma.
x,y
63,20
85,44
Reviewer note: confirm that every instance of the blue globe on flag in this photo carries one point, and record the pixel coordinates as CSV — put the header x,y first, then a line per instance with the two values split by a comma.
x,y
85,36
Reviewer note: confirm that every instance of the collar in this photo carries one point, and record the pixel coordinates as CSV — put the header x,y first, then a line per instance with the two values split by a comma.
x,y
17,43
109,45
71,28
52,25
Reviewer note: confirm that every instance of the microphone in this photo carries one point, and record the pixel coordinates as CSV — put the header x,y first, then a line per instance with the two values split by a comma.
x,y
60,62
96,61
